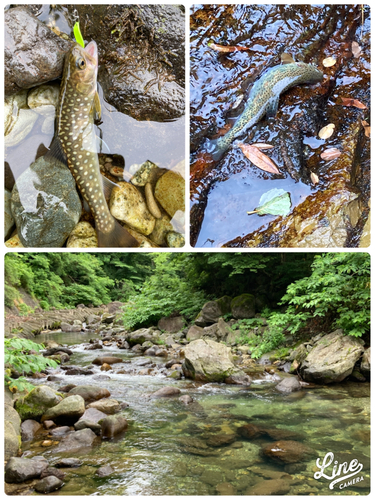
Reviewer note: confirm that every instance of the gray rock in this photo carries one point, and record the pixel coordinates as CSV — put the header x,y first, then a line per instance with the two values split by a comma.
x,y
37,402
28,429
288,452
243,306
165,392
93,415
60,431
113,425
107,406
45,204
194,333
87,424
289,384
186,399
48,484
66,327
76,441
172,325
104,471
210,313
366,363
18,470
90,393
68,462
110,360
11,440
141,336
8,216
68,410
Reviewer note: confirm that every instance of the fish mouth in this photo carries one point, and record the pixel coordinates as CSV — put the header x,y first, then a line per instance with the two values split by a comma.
x,y
92,50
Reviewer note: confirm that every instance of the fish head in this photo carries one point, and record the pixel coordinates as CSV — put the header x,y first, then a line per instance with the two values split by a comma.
x,y
81,68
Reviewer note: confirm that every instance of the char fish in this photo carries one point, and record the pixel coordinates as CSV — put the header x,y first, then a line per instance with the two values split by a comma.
x,y
75,142
264,99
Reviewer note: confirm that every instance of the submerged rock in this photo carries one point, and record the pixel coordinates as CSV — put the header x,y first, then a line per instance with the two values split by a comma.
x,y
104,471
76,441
90,393
28,429
170,192
288,452
113,425
166,392
82,236
270,487
289,384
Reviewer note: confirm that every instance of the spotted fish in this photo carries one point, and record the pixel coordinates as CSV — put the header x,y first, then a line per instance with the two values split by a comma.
x,y
75,142
264,99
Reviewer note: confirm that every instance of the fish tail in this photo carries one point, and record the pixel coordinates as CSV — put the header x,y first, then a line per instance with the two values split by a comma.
x,y
119,237
217,148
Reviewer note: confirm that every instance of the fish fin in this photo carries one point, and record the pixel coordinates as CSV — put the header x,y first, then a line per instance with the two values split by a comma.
x,y
56,151
107,186
119,237
97,107
99,145
272,106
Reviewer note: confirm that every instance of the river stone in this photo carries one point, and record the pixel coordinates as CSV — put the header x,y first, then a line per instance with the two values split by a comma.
x,y
113,425
107,406
92,414
141,336
366,363
18,470
60,431
288,452
269,487
11,440
210,313
67,411
66,327
33,58
48,484
44,95
36,402
243,306
82,236
170,192
109,360
76,441
250,431
332,358
45,204
90,393
68,462
166,392
52,471
28,429
209,361
127,205
146,173
226,489
175,240
172,325
289,384
194,333
186,399
104,471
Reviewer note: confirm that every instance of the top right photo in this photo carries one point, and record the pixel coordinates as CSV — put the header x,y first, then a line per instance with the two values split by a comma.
x,y
280,126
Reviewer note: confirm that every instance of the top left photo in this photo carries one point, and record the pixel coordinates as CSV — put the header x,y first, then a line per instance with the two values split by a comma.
x,y
94,126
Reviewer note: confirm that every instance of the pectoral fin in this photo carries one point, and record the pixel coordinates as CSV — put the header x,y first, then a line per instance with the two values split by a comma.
x,y
272,106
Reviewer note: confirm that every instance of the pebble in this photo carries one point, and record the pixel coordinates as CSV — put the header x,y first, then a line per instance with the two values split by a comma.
x,y
142,174
170,192
82,236
44,95
175,240
14,242
21,128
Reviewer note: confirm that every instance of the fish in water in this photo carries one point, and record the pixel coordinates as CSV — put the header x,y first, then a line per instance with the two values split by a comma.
x,y
264,99
75,142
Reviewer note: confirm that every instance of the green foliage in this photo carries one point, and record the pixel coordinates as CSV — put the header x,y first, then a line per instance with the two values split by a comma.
x,y
260,343
18,358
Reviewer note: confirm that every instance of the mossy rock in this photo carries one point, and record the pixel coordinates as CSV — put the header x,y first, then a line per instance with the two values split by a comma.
x,y
36,403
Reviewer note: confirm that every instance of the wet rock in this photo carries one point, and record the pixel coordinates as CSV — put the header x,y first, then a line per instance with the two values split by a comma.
x,y
49,424
18,470
45,204
212,477
239,378
290,384
14,242
175,240
42,51
105,367
68,462
44,95
172,325
77,441
332,358
366,363
219,440
93,415
270,487
69,410
94,347
147,172
142,335
76,371
127,205
165,392
170,192
288,452
68,328
104,471
113,425
28,429
110,360
12,423
52,471
161,229
195,332
243,306
162,353
8,216
186,399
87,424
12,106
90,393
226,489
250,431
37,402
82,236
60,431
282,434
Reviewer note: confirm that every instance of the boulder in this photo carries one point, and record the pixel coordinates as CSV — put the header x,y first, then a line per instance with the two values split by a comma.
x,y
104,471
28,429
332,358
172,325
92,415
194,333
36,402
48,484
250,431
113,425
11,439
141,336
209,314
106,405
77,441
366,363
68,463
90,393
289,384
66,327
243,306
69,410
186,399
288,452
18,470
209,361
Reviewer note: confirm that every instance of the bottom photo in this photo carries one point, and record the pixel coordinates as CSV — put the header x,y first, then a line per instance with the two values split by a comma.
x,y
187,373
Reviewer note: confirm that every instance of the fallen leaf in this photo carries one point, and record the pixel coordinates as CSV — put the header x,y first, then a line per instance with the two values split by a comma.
x,y
330,154
327,131
259,159
328,62
262,145
274,202
356,49
226,48
286,58
367,128
347,101
314,178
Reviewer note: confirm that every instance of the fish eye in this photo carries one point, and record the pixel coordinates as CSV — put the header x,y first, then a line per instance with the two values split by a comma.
x,y
81,63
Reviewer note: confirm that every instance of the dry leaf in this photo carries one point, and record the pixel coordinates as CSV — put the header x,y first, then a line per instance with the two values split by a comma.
x,y
329,61
330,154
226,48
347,101
262,145
286,58
356,49
259,159
327,131
314,178
367,128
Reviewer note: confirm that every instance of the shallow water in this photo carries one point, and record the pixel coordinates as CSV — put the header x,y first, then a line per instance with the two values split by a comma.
x,y
164,451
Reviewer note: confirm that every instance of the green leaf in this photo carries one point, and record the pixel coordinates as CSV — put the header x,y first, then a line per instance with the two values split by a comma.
x,y
274,202
78,35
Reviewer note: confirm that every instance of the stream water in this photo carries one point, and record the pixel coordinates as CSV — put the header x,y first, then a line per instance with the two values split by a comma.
x,y
164,451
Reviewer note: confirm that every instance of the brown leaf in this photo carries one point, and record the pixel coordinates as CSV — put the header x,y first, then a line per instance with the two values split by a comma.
x,y
286,58
314,178
226,48
356,49
262,145
330,154
347,101
328,62
259,159
367,128
326,131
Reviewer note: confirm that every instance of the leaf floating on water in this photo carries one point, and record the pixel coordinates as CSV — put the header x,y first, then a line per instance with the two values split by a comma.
x,y
356,49
327,131
226,48
78,35
274,202
328,62
262,145
367,128
286,58
347,101
314,178
330,154
259,159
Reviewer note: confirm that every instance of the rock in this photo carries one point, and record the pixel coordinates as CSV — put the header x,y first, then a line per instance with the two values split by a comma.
x,y
289,384
127,205
44,96
162,353
366,363
219,440
175,240
8,216
104,471
60,431
113,425
172,325
105,367
93,415
170,192
45,204
107,406
82,236
243,306
186,399
48,484
49,424
76,441
146,172
14,242
36,402
250,431
88,424
11,440
66,327
141,336
226,489
90,393
269,487
332,358
165,392
18,470
33,58
28,429
69,410
52,471
210,313
194,333
68,462
110,360
209,361
288,452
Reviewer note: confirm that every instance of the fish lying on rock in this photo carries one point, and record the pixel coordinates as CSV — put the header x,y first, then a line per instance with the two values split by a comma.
x,y
75,142
264,99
